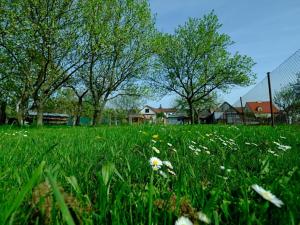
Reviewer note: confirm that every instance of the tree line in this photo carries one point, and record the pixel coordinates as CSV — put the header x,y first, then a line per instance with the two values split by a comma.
x,y
103,50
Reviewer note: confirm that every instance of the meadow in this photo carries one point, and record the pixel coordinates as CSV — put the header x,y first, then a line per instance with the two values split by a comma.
x,y
108,175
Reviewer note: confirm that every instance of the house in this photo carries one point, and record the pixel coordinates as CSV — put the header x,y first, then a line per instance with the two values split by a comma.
x,y
49,118
158,115
260,109
228,114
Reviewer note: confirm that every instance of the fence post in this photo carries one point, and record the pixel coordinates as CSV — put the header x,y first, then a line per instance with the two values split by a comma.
x,y
271,101
242,108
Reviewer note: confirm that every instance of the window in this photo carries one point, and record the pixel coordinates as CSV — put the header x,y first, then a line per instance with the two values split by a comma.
x,y
146,110
259,109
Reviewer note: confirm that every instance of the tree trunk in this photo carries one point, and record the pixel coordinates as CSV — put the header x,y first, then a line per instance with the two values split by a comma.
x,y
79,111
191,111
2,112
39,115
98,113
21,109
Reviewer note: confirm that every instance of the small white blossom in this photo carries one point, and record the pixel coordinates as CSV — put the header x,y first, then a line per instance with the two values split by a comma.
x,y
183,221
169,144
222,167
155,149
168,164
171,172
203,217
156,163
267,195
163,174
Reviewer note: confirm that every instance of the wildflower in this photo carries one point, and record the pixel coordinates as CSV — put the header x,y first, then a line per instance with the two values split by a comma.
x,y
153,141
169,144
172,172
183,221
168,164
155,136
247,143
203,217
208,152
282,147
156,163
193,142
163,174
155,149
192,147
174,150
267,195
222,167
282,137
271,151
228,170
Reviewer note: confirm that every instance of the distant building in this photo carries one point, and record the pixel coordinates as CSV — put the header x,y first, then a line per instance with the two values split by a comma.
x,y
228,114
49,118
260,109
159,115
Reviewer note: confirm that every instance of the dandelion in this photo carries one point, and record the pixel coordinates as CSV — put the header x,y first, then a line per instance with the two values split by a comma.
x,y
168,164
163,174
155,136
155,149
183,221
267,195
156,163
203,217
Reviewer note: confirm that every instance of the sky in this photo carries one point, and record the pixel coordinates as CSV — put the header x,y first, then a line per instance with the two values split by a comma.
x,y
266,30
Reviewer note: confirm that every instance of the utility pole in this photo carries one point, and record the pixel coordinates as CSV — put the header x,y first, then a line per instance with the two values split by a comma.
x,y
271,101
242,108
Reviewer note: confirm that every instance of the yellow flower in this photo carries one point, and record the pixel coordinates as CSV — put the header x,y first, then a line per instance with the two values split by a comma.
x,y
155,136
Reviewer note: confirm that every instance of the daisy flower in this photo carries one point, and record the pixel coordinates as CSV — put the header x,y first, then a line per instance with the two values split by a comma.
x,y
267,195
156,163
183,221
155,149
203,217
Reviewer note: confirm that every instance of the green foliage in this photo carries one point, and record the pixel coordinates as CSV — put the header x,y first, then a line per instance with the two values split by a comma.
x,y
102,175
195,60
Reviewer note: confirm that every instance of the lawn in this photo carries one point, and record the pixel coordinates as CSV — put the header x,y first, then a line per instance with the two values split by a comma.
x,y
85,175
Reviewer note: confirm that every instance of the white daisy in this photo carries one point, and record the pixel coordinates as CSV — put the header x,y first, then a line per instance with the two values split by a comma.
x,y
155,149
183,221
168,164
156,163
203,217
267,195
222,167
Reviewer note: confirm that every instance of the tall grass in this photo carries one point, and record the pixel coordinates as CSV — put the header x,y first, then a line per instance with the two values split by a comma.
x,y
66,175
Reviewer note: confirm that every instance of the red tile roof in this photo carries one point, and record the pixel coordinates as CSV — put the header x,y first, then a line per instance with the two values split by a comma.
x,y
261,107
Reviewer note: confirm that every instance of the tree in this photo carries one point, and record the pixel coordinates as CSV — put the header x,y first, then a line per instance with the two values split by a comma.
x,y
42,39
195,61
288,101
118,37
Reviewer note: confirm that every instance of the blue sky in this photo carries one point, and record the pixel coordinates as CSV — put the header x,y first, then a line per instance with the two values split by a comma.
x,y
266,30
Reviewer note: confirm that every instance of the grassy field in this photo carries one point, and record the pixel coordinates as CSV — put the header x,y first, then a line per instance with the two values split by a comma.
x,y
65,175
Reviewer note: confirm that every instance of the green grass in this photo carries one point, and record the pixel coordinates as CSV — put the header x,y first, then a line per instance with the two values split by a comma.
x,y
65,175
